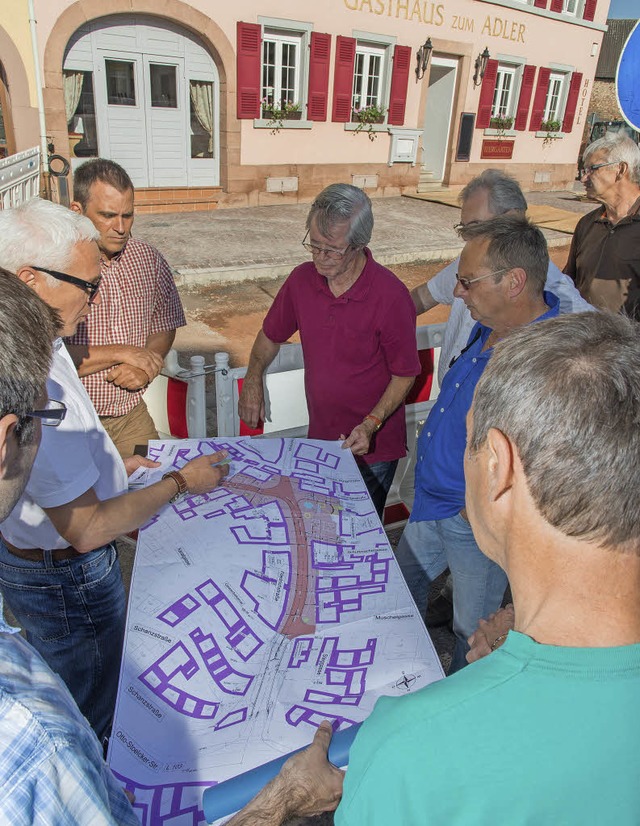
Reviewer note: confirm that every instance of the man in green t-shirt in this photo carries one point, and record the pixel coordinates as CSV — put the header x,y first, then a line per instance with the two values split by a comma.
x,y
544,729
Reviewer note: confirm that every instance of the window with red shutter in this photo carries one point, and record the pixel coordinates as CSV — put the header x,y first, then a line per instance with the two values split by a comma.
x,y
343,79
572,101
540,4
486,95
319,54
248,70
539,99
526,90
589,9
399,82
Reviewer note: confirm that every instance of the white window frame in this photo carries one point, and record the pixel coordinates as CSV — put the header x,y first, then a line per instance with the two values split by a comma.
x,y
292,32
368,52
505,70
559,80
384,42
566,4
281,39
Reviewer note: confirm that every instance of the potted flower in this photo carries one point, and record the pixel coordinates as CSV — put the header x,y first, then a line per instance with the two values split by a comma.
x,y
366,116
276,113
550,126
501,123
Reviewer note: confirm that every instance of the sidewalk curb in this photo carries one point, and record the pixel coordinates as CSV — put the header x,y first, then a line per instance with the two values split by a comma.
x,y
202,276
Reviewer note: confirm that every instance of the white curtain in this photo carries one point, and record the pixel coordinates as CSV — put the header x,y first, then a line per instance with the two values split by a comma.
x,y
72,90
202,101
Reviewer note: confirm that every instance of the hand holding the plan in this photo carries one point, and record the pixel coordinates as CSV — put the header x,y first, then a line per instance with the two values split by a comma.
x,y
307,785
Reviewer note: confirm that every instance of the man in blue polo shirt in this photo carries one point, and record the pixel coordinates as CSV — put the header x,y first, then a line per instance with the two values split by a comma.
x,y
501,279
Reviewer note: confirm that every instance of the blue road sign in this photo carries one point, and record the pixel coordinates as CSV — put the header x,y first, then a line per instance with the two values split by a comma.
x,y
628,79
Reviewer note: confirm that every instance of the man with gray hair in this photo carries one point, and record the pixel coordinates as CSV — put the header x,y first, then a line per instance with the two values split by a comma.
x,y
486,196
59,569
604,259
544,730
501,279
51,769
357,326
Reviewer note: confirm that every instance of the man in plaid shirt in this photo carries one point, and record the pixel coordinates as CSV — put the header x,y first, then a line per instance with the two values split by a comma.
x,y
120,347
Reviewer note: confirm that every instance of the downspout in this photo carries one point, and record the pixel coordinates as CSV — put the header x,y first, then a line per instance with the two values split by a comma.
x,y
36,65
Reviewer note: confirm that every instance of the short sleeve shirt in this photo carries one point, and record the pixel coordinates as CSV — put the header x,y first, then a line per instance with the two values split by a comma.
x,y
73,457
602,250
353,344
138,298
439,485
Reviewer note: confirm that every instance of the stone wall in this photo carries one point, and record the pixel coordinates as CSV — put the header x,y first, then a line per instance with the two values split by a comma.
x,y
603,103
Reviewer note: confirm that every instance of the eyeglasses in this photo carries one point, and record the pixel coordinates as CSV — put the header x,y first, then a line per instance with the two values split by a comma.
x,y
53,413
333,255
465,283
587,170
90,287
459,227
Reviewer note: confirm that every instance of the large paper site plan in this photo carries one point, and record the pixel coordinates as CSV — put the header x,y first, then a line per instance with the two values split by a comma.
x,y
256,611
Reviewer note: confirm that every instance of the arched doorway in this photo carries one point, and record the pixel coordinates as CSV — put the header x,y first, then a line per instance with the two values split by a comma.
x,y
144,92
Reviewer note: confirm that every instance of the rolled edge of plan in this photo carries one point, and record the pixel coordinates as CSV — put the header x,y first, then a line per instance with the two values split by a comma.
x,y
231,795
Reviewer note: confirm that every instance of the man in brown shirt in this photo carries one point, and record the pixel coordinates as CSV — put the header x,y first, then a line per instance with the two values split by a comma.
x,y
604,259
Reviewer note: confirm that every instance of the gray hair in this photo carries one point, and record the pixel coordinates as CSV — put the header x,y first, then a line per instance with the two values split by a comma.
x,y
27,329
617,146
566,392
39,233
503,191
513,242
338,203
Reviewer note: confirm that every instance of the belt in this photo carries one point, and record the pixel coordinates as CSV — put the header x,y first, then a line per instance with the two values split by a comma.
x,y
36,554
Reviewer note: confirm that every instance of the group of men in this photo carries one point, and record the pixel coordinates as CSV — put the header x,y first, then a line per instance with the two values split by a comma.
x,y
526,471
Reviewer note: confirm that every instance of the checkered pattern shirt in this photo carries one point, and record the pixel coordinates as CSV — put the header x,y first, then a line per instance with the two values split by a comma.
x,y
138,298
51,766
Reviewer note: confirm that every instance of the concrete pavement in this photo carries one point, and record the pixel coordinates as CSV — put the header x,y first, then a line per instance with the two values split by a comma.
x,y
264,242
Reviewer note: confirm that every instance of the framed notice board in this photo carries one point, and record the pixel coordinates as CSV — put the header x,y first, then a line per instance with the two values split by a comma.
x,y
465,136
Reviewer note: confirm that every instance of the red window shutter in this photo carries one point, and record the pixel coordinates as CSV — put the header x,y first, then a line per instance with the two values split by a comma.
x,y
539,100
486,94
589,9
399,83
248,67
540,4
572,101
343,79
556,5
319,54
526,90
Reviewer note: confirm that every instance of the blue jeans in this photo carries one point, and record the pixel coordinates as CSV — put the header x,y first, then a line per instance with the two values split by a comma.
x,y
73,612
424,552
378,478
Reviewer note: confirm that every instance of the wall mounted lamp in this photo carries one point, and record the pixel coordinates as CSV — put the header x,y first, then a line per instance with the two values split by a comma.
x,y
423,56
480,66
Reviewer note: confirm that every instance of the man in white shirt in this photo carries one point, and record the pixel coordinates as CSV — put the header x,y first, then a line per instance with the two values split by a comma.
x,y
51,766
59,570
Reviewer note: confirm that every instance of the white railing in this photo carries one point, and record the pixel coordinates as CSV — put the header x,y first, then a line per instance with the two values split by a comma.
x,y
19,177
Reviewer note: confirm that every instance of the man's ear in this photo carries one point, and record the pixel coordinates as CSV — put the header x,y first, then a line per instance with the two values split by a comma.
x,y
499,464
517,281
27,275
8,443
76,206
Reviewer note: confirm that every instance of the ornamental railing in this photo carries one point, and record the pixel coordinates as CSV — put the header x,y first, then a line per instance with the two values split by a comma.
x,y
19,177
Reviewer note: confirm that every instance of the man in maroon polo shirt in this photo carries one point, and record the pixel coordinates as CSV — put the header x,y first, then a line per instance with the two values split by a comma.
x,y
357,326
